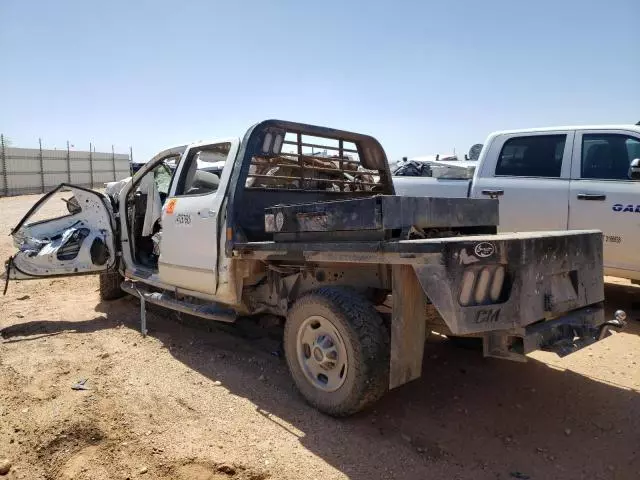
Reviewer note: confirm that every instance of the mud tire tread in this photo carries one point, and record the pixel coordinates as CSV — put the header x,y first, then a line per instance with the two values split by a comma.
x,y
110,285
368,343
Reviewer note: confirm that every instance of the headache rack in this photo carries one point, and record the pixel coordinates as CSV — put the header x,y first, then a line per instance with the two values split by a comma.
x,y
314,164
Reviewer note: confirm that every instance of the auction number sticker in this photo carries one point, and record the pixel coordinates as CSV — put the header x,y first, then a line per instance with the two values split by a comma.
x,y
183,220
171,205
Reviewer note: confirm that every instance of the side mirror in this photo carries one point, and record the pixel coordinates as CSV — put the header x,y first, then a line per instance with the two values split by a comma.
x,y
634,169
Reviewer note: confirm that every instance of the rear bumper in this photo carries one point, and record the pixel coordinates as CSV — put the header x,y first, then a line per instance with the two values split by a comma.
x,y
563,336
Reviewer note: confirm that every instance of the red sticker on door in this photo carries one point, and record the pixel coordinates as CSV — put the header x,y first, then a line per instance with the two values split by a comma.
x,y
171,205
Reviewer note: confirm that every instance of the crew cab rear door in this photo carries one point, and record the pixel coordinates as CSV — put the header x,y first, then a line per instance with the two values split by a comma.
x,y
191,222
69,231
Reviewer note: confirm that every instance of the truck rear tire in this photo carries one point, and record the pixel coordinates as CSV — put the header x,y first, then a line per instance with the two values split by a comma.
x,y
110,285
337,349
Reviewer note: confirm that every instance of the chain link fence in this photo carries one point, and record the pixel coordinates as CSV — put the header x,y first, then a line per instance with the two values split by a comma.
x,y
38,170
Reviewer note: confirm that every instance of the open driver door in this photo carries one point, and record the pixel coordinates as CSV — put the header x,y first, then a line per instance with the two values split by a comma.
x,y
81,241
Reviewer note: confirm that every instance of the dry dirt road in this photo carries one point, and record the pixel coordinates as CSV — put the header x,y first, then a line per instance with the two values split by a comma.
x,y
192,401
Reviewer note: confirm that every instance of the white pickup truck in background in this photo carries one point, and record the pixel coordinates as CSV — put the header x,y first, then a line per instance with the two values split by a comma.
x,y
557,178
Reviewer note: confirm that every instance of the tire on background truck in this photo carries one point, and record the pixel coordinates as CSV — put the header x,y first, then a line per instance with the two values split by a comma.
x,y
337,348
110,285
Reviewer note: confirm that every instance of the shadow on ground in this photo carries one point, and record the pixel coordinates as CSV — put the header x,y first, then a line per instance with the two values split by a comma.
x,y
482,418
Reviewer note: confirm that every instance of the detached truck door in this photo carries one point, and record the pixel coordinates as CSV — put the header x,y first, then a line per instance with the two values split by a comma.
x,y
190,221
603,196
529,172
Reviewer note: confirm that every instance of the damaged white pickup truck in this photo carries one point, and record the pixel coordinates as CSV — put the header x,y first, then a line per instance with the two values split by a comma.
x,y
321,242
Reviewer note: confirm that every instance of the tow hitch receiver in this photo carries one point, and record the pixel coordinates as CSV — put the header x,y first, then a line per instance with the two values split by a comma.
x,y
563,336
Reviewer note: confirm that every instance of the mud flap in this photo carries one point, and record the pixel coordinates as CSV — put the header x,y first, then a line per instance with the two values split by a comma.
x,y
408,326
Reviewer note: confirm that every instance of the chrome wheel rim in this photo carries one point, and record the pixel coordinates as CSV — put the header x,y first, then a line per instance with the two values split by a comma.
x,y
321,353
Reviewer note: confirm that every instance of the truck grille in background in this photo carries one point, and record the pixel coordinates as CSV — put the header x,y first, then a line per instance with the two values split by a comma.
x,y
482,285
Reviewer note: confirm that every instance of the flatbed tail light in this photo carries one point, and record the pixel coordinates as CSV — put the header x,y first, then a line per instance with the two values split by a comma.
x,y
496,284
482,285
466,292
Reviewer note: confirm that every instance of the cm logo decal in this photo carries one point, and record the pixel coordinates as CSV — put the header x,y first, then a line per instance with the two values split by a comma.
x,y
619,207
485,316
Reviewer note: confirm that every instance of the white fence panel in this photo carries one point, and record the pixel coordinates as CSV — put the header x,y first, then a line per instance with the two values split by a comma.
x,y
35,170
52,180
82,179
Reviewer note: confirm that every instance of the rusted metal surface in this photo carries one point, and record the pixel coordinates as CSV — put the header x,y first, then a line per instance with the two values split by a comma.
x,y
427,212
307,170
545,277
408,325
383,213
313,222
315,145
168,300
541,268
289,180
280,285
565,335
245,208
397,251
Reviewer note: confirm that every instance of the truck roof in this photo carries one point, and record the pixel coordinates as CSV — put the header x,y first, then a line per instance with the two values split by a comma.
x,y
628,126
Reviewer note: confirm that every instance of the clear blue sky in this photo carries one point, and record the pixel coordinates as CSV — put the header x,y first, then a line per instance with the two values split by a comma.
x,y
421,76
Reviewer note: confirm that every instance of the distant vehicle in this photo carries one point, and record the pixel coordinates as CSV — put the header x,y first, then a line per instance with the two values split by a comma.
x,y
562,178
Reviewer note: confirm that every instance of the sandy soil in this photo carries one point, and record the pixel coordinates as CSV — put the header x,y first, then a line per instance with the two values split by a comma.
x,y
194,401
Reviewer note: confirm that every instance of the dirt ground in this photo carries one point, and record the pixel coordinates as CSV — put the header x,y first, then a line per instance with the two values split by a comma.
x,y
195,401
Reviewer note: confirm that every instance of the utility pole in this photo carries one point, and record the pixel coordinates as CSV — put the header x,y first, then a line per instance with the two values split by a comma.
x,y
68,163
3,158
113,162
41,166
91,164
